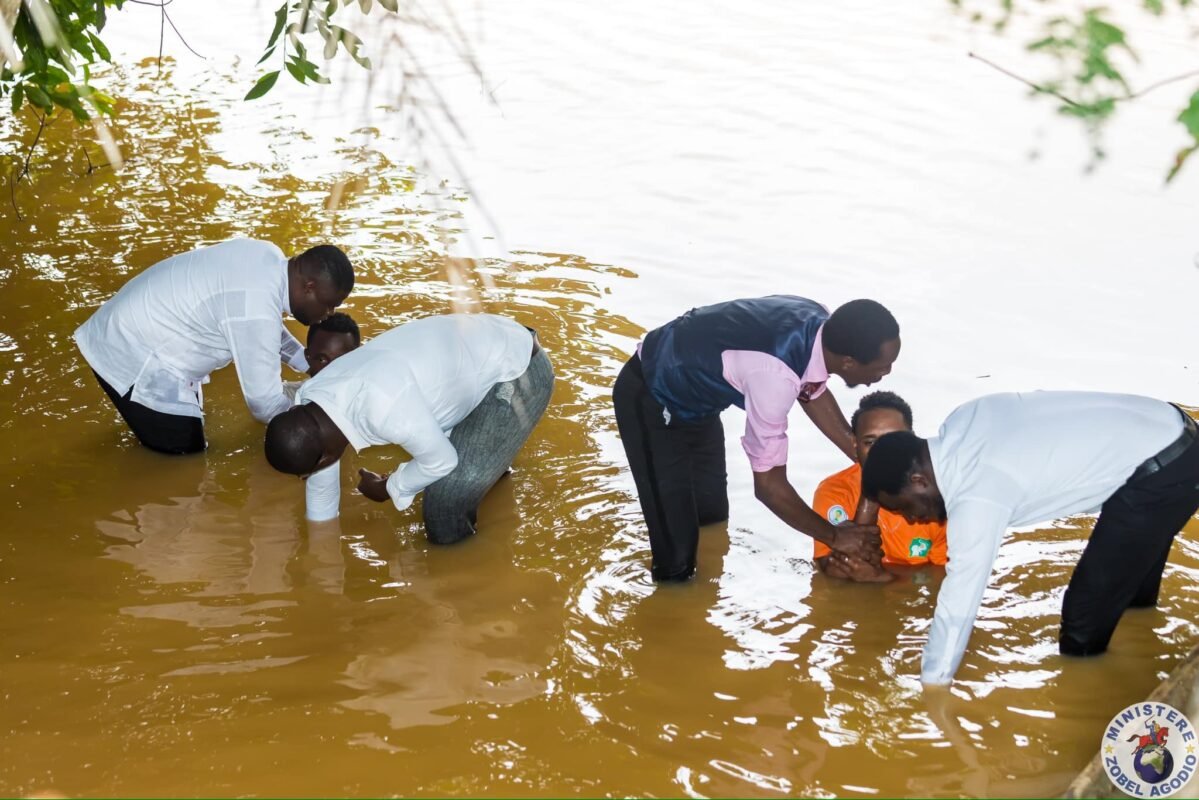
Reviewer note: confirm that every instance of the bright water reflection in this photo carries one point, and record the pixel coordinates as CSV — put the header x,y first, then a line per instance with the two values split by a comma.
x,y
176,628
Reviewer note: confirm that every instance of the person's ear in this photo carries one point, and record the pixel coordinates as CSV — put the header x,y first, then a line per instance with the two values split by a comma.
x,y
919,481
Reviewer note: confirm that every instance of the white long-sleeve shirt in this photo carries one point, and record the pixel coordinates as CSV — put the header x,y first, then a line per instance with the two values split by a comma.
x,y
411,386
175,323
1010,460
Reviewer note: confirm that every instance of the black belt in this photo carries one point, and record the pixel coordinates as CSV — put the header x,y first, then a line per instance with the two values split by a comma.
x,y
1190,431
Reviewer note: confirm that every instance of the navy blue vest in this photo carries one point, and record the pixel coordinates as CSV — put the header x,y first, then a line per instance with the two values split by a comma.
x,y
682,359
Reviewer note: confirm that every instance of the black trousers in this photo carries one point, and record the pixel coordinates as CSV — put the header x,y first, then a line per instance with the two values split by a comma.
x,y
174,434
1123,562
679,469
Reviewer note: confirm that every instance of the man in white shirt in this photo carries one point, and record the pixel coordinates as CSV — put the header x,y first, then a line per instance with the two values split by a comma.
x,y
154,343
460,393
1010,460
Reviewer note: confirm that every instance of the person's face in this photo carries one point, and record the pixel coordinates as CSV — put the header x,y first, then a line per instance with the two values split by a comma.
x,y
855,373
918,502
324,347
312,300
875,423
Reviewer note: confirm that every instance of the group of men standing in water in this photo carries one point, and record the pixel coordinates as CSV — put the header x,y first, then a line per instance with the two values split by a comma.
x,y
462,392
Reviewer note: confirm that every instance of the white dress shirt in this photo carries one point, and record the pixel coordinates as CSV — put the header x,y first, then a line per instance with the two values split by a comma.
x,y
1009,460
411,386
169,327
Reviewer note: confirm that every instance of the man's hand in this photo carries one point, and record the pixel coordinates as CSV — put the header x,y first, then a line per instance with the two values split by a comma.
x,y
862,541
373,486
851,568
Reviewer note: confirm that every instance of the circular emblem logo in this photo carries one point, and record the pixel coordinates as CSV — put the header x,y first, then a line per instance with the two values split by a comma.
x,y
1150,750
837,515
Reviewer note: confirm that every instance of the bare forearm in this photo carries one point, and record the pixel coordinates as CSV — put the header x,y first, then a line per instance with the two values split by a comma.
x,y
777,494
866,512
827,417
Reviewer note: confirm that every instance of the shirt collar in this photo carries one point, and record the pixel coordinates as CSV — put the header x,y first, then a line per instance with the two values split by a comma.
x,y
816,371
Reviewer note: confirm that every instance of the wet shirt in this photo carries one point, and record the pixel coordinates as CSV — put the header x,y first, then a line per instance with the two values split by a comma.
x,y
836,500
410,387
1010,460
175,323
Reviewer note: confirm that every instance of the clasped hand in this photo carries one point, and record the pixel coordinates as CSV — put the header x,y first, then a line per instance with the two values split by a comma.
x,y
857,554
372,485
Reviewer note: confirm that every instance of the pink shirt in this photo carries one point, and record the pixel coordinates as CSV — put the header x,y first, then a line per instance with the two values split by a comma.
x,y
770,388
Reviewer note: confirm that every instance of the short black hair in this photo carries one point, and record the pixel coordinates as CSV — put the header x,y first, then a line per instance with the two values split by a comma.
x,y
293,442
328,262
881,400
337,322
858,330
890,462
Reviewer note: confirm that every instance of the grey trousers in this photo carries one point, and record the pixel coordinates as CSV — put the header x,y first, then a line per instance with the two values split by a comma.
x,y
487,441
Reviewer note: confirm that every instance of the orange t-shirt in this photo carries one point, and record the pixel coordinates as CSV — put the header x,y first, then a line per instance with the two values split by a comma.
x,y
903,543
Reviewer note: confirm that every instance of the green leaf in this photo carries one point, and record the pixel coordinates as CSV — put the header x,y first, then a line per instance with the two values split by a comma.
x,y
81,44
1155,6
294,68
1190,117
263,86
391,5
101,15
330,43
280,21
352,44
310,72
18,94
1103,34
1179,160
38,97
101,48
365,5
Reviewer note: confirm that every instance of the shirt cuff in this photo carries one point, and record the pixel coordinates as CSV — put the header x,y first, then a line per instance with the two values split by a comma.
x,y
401,498
817,392
765,458
298,362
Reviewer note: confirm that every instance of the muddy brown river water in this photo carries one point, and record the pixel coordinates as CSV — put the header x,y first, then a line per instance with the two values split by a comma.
x,y
174,627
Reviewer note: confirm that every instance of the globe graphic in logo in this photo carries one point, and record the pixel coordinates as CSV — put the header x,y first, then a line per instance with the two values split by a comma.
x,y
1153,763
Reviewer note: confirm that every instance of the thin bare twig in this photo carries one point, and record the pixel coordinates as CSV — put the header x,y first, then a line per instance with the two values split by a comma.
x,y
171,22
1063,98
1025,81
12,196
32,145
162,30
1161,83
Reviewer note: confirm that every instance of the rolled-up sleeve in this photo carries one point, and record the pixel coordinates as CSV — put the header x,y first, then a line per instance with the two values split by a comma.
x,y
291,352
769,396
411,425
255,347
322,493
976,529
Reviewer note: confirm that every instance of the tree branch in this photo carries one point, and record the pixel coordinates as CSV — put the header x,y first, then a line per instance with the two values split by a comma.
x,y
1025,81
1046,90
32,145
